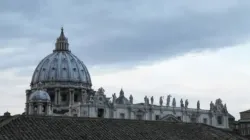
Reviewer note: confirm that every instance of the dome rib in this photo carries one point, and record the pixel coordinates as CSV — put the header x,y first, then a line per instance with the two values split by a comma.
x,y
69,68
85,75
52,72
59,64
78,68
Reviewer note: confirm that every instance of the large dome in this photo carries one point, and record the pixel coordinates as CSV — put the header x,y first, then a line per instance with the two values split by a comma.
x,y
61,68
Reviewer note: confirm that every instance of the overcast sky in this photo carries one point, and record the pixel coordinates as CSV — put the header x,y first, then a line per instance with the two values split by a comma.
x,y
196,50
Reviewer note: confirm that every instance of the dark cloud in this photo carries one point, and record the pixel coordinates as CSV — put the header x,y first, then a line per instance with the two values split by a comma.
x,y
120,32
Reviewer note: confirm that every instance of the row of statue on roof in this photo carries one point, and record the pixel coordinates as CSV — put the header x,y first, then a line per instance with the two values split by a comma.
x,y
218,106
168,100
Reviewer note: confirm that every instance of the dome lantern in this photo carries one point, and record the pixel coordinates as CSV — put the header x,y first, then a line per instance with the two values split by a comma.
x,y
62,42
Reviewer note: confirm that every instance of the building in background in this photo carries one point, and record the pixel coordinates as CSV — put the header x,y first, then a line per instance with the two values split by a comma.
x,y
244,123
61,86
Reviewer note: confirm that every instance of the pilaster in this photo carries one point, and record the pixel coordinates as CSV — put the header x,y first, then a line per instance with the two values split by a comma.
x,y
83,96
27,101
56,97
27,95
31,109
26,108
58,92
71,96
39,108
47,109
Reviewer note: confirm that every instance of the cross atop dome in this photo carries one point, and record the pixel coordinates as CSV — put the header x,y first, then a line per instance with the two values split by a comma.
x,y
62,42
62,34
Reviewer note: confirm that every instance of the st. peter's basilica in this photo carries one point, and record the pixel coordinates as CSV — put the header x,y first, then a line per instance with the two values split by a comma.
x,y
61,86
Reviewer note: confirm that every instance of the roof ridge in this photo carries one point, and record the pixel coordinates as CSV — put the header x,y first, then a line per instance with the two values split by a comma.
x,y
9,120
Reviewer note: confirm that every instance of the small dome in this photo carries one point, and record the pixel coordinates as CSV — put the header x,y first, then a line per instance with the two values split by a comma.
x,y
122,99
39,96
7,114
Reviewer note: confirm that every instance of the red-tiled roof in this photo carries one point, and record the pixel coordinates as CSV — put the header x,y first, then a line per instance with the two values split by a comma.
x,y
69,128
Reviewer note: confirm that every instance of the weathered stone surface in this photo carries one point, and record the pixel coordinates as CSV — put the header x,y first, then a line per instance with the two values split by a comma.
x,y
76,128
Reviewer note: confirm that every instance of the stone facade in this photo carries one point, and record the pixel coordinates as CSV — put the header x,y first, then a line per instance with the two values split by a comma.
x,y
65,80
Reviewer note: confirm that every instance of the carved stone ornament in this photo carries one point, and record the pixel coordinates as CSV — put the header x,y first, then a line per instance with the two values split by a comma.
x,y
101,90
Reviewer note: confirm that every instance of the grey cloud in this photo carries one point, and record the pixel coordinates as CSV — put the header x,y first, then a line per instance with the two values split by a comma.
x,y
170,38
118,32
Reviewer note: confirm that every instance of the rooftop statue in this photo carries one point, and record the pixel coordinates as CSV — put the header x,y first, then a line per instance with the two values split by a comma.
x,y
152,100
114,98
186,103
211,106
131,99
146,100
198,105
225,108
174,102
161,100
181,102
168,99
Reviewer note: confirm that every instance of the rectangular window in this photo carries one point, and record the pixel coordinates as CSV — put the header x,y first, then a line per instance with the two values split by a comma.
x,y
219,120
179,118
139,117
157,117
122,115
100,113
75,97
205,120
